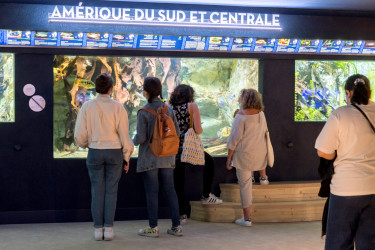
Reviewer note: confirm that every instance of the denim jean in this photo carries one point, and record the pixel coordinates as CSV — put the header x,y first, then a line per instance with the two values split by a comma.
x,y
105,168
151,180
351,219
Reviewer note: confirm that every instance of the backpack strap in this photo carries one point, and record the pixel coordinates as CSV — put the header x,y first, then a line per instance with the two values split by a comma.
x,y
363,113
151,110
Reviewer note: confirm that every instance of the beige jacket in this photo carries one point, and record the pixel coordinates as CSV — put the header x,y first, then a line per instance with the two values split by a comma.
x,y
103,123
247,139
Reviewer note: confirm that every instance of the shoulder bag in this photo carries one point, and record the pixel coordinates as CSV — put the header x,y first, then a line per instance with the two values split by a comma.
x,y
270,154
192,149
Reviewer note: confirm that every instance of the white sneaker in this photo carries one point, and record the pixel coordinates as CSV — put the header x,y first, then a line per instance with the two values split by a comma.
x,y
109,234
149,232
183,220
244,223
211,199
98,233
264,181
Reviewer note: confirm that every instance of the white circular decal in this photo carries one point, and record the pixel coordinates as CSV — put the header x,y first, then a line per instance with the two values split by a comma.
x,y
37,103
29,89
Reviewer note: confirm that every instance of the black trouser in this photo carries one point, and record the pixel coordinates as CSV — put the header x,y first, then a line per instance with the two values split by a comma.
x,y
179,180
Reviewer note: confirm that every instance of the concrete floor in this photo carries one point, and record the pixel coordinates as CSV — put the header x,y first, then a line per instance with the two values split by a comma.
x,y
197,236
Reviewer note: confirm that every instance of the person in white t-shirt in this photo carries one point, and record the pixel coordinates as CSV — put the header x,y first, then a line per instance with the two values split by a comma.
x,y
351,212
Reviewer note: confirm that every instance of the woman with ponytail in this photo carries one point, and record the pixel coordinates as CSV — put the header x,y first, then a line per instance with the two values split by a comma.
x,y
351,211
155,171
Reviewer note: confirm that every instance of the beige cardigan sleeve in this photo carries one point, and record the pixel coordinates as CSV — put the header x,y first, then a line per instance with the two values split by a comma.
x,y
235,133
123,131
80,131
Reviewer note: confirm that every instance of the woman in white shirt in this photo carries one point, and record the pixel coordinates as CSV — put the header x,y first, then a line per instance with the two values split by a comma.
x,y
102,126
247,148
351,212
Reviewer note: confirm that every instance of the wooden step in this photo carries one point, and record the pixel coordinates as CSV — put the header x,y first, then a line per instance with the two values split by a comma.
x,y
290,211
275,192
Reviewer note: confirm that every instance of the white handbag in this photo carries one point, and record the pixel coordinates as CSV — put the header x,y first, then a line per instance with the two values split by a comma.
x,y
192,149
270,155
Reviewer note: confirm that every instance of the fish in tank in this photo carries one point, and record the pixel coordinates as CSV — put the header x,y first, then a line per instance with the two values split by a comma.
x,y
216,81
319,86
7,104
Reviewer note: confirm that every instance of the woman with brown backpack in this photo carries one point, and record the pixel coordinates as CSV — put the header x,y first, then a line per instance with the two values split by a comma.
x,y
156,126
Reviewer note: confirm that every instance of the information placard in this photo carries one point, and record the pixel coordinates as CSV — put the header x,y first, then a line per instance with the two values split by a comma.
x,y
369,47
243,44
18,37
46,38
331,46
310,46
124,41
99,40
70,39
352,47
148,41
219,43
194,43
288,45
265,45
171,42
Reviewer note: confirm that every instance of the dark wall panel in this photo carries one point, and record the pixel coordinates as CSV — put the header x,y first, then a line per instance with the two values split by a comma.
x,y
293,142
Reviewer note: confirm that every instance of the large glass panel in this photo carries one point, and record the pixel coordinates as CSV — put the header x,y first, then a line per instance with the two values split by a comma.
x,y
6,87
216,82
319,86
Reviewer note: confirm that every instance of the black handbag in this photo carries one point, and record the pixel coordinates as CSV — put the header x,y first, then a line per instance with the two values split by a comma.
x,y
325,171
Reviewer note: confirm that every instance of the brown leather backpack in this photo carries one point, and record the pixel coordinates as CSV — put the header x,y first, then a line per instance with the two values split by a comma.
x,y
165,141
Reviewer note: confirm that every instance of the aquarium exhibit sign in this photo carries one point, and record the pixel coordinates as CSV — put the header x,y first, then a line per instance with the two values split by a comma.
x,y
163,17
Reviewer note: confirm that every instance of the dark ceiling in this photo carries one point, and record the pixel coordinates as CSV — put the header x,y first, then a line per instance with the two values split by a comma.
x,y
325,5
348,5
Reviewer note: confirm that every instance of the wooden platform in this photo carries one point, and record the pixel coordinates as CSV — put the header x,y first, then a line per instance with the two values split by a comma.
x,y
277,202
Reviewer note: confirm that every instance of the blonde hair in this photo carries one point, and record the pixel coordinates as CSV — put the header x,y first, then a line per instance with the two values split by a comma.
x,y
251,99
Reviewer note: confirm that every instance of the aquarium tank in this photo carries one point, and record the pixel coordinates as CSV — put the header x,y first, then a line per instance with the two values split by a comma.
x,y
6,87
319,86
216,81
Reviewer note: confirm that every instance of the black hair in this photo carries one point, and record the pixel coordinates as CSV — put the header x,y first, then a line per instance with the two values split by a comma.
x,y
152,86
182,94
103,83
361,89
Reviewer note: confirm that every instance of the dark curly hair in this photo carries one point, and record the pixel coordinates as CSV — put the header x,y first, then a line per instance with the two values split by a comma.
x,y
361,89
182,94
103,83
152,86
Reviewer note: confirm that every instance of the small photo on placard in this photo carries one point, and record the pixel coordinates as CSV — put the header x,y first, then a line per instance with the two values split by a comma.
x,y
70,39
242,44
195,43
18,37
45,38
